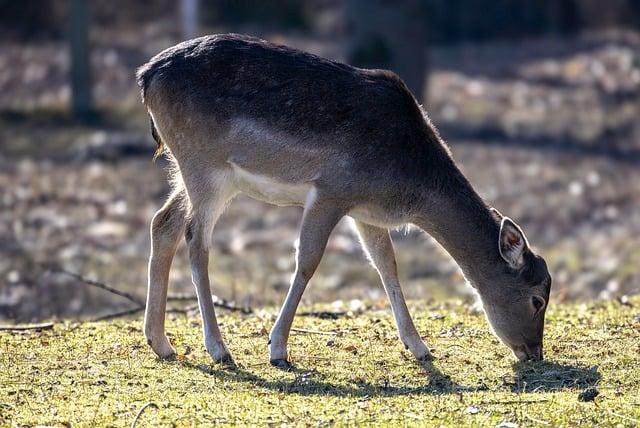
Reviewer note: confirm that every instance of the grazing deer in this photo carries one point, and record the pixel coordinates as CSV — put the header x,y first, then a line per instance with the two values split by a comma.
x,y
239,114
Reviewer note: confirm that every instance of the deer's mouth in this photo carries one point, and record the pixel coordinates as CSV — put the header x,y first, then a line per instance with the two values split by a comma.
x,y
528,353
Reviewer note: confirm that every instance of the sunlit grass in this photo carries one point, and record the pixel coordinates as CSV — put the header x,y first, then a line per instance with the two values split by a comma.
x,y
98,374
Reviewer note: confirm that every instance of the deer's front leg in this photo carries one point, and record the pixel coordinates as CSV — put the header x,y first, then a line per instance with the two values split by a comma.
x,y
377,244
319,218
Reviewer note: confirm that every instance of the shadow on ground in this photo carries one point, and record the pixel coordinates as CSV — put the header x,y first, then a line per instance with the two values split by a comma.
x,y
547,376
313,382
528,377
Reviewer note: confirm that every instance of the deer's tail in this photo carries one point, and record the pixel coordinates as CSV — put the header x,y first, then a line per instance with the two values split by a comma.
x,y
159,144
144,76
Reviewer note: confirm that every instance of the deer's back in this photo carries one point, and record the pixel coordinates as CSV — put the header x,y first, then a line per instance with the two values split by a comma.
x,y
293,116
234,75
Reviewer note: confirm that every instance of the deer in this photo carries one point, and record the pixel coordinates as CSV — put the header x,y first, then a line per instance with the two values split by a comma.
x,y
237,114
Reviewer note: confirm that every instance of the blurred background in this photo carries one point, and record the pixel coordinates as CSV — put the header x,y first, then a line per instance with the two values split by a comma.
x,y
538,99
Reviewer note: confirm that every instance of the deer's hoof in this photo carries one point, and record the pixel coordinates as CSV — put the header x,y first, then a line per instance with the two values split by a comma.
x,y
168,357
227,361
427,358
162,348
281,364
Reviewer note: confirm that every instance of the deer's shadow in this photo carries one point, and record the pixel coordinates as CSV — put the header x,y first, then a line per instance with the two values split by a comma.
x,y
310,381
545,376
313,382
529,377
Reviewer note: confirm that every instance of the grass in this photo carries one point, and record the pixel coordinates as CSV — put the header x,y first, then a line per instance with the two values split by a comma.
x,y
102,374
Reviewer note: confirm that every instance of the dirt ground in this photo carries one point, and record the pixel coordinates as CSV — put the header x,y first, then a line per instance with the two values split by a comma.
x,y
545,129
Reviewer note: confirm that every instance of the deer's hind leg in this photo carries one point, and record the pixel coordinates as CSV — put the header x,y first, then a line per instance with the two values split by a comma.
x,y
167,227
207,203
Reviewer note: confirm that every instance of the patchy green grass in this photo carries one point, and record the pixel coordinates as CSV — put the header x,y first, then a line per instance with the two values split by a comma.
x,y
98,374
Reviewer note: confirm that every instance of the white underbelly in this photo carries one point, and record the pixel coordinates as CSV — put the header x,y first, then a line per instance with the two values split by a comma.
x,y
376,216
276,192
268,189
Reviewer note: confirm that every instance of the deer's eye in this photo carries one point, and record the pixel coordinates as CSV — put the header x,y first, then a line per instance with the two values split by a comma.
x,y
538,304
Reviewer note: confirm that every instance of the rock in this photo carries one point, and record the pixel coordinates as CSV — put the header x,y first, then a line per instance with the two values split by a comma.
x,y
588,394
473,410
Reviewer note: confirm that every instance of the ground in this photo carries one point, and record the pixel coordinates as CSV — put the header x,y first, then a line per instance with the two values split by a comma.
x,y
348,370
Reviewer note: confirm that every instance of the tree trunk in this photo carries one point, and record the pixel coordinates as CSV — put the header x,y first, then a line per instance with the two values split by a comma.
x,y
81,98
189,18
389,34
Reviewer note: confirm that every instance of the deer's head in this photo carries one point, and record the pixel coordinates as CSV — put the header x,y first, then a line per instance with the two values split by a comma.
x,y
516,300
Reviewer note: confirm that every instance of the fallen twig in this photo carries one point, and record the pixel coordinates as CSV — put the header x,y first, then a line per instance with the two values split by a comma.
x,y
323,314
182,297
221,303
140,309
29,327
98,284
491,402
218,302
326,333
142,409
118,314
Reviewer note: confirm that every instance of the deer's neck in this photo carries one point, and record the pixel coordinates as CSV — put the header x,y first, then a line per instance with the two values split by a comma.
x,y
461,222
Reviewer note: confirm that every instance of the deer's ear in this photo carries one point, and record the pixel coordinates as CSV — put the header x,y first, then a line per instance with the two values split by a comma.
x,y
512,243
496,214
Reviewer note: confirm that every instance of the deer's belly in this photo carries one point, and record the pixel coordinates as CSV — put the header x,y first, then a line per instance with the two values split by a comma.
x,y
377,216
277,192
268,189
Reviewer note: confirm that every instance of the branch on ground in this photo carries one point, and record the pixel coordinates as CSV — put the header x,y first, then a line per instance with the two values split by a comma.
x,y
29,327
139,302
